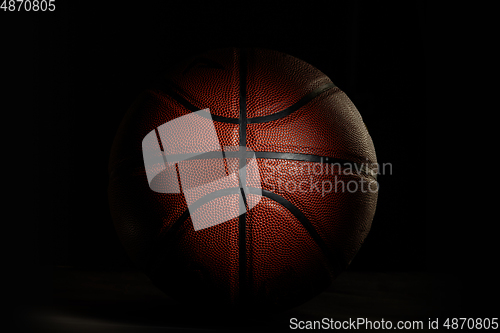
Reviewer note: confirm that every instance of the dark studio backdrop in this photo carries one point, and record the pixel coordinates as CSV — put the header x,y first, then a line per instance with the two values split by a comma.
x,y
88,62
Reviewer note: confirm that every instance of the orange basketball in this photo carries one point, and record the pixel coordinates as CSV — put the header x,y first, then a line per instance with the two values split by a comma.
x,y
246,179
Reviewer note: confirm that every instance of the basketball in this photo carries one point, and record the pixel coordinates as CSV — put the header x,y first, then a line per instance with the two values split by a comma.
x,y
244,179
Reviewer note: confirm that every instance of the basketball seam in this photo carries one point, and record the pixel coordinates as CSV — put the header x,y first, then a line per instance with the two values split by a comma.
x,y
333,255
242,269
258,154
294,107
168,90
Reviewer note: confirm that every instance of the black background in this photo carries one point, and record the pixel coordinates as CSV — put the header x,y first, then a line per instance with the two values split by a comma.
x,y
84,64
